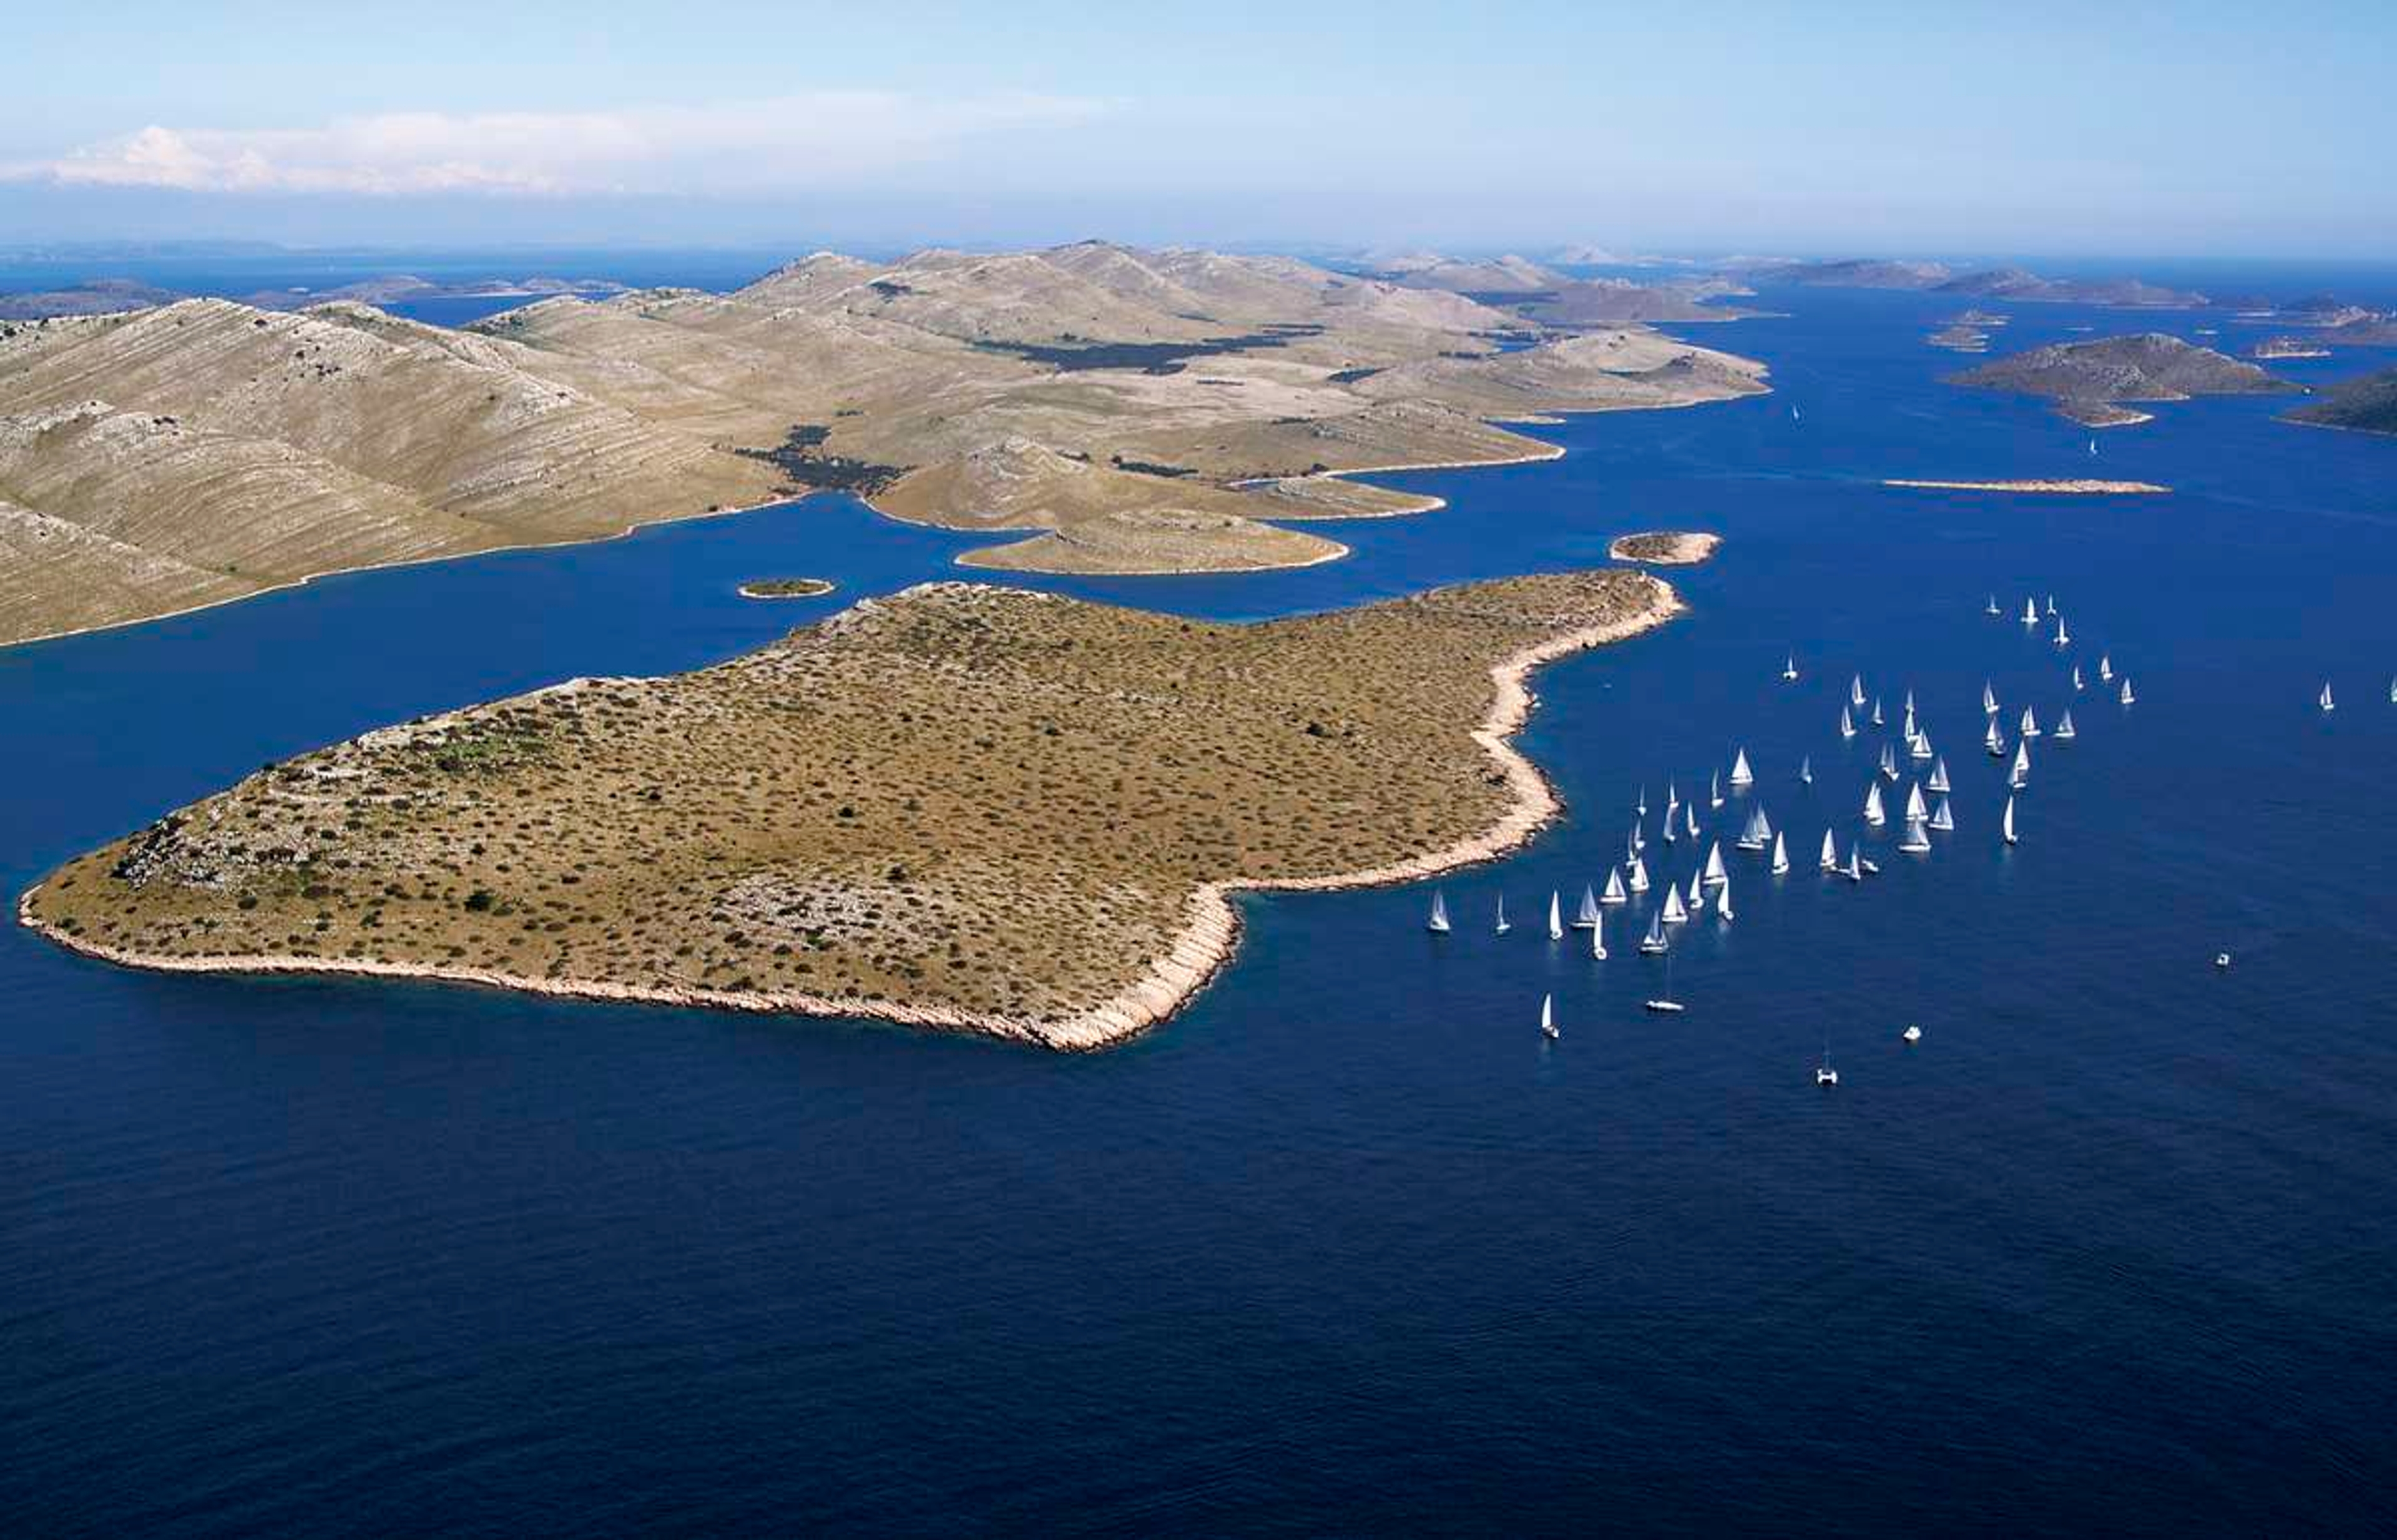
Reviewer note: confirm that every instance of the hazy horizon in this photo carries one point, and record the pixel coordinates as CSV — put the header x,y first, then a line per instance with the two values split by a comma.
x,y
1763,129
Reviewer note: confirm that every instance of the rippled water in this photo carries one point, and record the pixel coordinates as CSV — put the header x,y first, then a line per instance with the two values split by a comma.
x,y
1345,1247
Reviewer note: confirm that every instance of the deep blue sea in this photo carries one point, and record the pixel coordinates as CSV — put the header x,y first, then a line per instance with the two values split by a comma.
x,y
1346,1248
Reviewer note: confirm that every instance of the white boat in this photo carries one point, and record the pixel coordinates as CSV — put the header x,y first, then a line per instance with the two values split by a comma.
x,y
1548,1017
1830,853
2077,685
2326,702
2029,724
1942,818
1714,790
1740,774
1916,839
1789,669
1674,912
1502,927
1586,916
1640,808
1758,833
1917,811
1639,837
1690,818
2065,732
2021,776
2030,612
2105,666
1938,781
1913,1033
1780,855
1438,924
1988,699
1889,764
1714,869
1639,876
1922,746
1873,813
1993,609
2128,696
1855,867
1994,740
1722,902
2063,638
1857,690
1654,942
2006,825
1555,917
1664,1001
1906,727
1669,835
1614,893
1824,1074
1909,705
1697,899
1876,712
2392,691
2051,606
1847,724
1806,770
1598,942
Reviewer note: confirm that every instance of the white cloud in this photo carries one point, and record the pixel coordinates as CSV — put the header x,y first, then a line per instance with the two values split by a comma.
x,y
820,139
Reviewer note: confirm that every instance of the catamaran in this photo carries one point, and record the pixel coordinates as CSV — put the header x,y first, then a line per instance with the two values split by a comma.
x,y
1722,902
1654,942
1873,814
1847,724
2128,696
2021,774
1789,669
2007,824
1555,917
2326,702
1988,699
1916,840
1639,875
2029,728
1614,893
1740,774
1938,781
1758,833
1806,770
1715,871
1942,819
1994,740
1438,924
1502,927
1548,1017
1830,853
1586,916
2065,732
1780,854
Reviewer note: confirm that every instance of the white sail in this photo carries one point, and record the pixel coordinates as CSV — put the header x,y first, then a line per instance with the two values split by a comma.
x,y
2063,638
1938,781
1722,901
2007,824
1994,740
1501,926
1697,893
1806,770
2021,776
1690,818
1555,917
1988,699
1438,924
1674,913
1780,855
1715,871
2029,728
2051,599
1740,774
1942,819
1855,862
1639,875
1640,810
1915,841
1906,728
2128,696
1588,914
2076,678
1847,725
1888,763
1654,940
2065,732
1597,940
1789,669
1921,749
1548,1015
1857,690
2030,613
1992,608
1831,853
1873,813
1875,711
1714,789
2326,703
1915,811
1909,704
2392,691
1614,893
2106,667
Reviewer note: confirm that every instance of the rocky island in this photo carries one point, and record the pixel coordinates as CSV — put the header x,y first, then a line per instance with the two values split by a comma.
x,y
1104,409
2088,381
962,807
786,588
1665,547
2368,405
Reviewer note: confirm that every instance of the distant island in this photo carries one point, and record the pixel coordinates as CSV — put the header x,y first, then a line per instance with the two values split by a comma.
x,y
2288,347
962,806
786,588
2368,405
2076,487
158,460
1549,298
2014,284
1665,547
2088,380
111,296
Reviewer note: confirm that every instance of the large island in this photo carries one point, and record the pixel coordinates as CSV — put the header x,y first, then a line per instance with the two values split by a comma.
x,y
962,805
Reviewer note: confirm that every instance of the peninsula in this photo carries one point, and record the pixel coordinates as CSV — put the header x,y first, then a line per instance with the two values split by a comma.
x,y
962,806
158,460
2365,405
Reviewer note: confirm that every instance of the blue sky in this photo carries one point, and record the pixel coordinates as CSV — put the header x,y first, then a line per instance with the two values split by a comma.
x,y
2189,130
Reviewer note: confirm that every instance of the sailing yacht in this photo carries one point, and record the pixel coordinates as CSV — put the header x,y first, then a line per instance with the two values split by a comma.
x,y
1714,789
1780,854
1654,942
2326,702
1889,764
1639,875
1876,712
2065,732
1640,808
2051,606
1502,927
1438,924
2063,638
1916,840
2021,775
1697,899
1905,726
2077,685
1789,669
1855,871
1555,917
2128,696
1614,893
1758,833
1714,869
1993,609
1994,740
1915,811
1830,860
1988,699
1639,837
1857,691
1586,916
1598,942
1942,819
1806,770
1920,748
1548,1017
1847,724
1722,902
1913,1033
1740,774
2007,824
2030,612
1938,781
2106,667
1873,813
1666,1003
2029,728
1824,1074
2392,691
1690,818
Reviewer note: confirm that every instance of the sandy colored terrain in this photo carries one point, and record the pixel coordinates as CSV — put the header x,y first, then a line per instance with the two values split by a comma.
x,y
1665,547
962,805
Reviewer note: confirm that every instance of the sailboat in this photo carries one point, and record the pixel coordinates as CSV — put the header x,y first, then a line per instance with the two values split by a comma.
x,y
1555,917
1793,411
1942,819
1714,871
1847,724
1666,1003
2063,638
1639,837
1640,808
1690,818
2007,824
1780,854
1994,740
1598,942
1758,833
2128,696
1502,927
1916,840
1855,871
1913,1033
1824,1074
2051,606
2030,612
1915,811
1889,764
1438,924
2065,732
1588,914
1722,902
1614,893
1831,861
1906,729
2077,685
1873,813
1697,899
2029,724
1654,942
1806,770
1857,691
1740,774
1639,875
2106,667
2392,691
1993,609
1789,669
1988,699
1548,1017
1920,748
1875,711
2021,775
1938,781
2326,702
1714,790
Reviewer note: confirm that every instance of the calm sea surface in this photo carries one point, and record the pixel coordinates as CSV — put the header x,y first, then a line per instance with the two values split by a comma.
x,y
1346,1248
